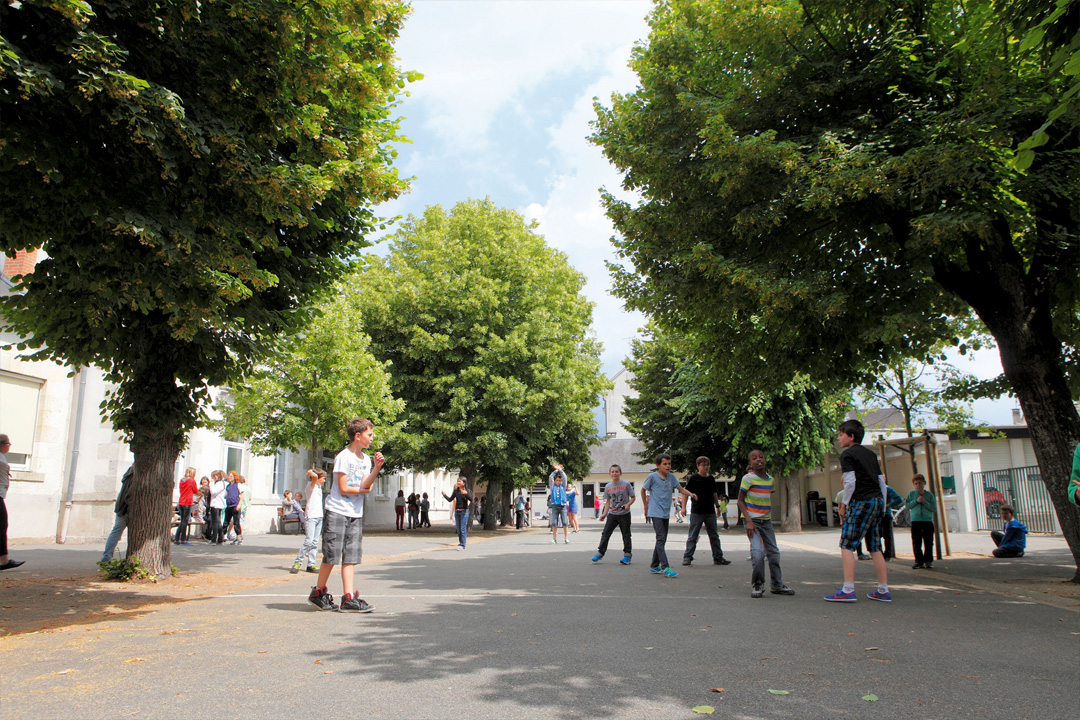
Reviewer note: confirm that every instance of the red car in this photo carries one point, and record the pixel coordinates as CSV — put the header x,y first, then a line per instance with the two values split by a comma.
x,y
994,500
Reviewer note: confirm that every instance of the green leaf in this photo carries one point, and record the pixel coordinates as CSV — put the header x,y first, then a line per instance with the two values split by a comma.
x,y
870,698
704,709
779,692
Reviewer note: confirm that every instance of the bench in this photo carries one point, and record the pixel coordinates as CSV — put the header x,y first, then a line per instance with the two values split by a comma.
x,y
284,522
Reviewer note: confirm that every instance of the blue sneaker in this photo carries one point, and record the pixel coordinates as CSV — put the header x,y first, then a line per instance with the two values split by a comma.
x,y
656,570
880,596
669,572
596,557
625,560
841,596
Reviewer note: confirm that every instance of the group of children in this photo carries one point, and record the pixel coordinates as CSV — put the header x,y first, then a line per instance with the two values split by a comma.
x,y
862,508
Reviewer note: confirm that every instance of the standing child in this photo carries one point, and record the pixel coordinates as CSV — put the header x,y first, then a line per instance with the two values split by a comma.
x,y
755,504
660,487
425,508
314,522
354,474
557,499
921,504
723,510
618,497
572,505
864,500
703,511
188,488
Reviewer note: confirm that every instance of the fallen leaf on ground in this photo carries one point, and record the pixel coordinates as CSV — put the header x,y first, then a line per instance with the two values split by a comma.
x,y
806,673
704,709
879,660
318,662
766,658
327,672
851,634
870,698
779,692
873,648
263,651
135,660
65,672
717,690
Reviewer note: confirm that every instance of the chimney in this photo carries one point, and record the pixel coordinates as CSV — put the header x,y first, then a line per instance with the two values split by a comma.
x,y
1017,418
22,264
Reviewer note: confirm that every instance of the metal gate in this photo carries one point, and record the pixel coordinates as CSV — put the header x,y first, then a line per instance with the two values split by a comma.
x,y
1023,488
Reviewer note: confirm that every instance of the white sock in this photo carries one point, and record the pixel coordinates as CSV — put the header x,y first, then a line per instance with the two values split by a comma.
x,y
849,587
882,588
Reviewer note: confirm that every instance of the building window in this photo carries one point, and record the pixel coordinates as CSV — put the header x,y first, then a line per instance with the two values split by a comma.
x,y
20,398
234,457
281,468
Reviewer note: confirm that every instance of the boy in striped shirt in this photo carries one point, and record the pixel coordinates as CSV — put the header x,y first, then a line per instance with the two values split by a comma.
x,y
755,504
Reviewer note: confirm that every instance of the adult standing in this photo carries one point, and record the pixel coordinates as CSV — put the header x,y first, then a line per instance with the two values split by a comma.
x,y
188,488
6,563
120,508
519,510
459,501
399,510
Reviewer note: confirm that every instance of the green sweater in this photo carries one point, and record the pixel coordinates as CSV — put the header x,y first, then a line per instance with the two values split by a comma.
x,y
921,511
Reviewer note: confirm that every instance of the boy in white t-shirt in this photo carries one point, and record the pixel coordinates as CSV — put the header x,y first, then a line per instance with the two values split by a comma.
x,y
354,474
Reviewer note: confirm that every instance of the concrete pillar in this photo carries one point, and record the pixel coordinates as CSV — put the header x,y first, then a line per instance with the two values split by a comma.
x,y
966,462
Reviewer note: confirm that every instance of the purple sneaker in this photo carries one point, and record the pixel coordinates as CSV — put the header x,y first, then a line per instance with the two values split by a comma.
x,y
841,596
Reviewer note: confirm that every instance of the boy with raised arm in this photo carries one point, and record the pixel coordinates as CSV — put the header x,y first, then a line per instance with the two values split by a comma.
x,y
354,474
865,495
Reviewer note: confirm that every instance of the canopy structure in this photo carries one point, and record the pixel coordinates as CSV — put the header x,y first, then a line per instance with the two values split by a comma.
x,y
929,443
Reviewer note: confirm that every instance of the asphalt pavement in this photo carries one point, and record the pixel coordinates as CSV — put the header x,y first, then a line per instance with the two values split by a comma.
x,y
517,627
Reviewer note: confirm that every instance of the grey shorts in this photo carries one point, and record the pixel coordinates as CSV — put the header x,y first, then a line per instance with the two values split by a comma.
x,y
341,539
558,516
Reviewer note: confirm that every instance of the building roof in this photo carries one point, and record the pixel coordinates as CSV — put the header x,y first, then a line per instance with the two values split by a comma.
x,y
618,451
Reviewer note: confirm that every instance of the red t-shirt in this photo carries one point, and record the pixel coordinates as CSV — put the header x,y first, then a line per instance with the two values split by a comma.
x,y
188,488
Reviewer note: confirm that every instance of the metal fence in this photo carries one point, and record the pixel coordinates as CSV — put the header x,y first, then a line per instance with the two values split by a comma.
x,y
1023,488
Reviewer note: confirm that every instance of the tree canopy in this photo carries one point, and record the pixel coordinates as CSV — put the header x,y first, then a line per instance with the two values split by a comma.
x,y
487,340
825,187
305,395
196,173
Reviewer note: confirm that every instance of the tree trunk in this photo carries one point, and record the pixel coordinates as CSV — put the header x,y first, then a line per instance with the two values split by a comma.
x,y
150,506
1014,303
506,507
494,487
793,517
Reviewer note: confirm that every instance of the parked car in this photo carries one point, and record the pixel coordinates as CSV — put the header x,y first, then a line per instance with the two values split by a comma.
x,y
994,500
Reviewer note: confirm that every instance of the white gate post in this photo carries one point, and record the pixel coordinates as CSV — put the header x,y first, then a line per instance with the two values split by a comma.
x,y
966,462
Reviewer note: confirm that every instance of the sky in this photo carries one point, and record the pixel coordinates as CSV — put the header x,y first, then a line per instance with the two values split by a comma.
x,y
503,112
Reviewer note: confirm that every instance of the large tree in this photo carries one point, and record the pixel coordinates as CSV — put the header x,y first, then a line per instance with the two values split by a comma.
x,y
825,187
488,341
322,377
195,172
677,412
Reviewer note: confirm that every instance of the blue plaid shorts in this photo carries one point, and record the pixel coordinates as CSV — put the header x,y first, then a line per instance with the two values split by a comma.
x,y
863,519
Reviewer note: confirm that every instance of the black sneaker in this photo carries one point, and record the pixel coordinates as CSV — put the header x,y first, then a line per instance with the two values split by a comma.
x,y
321,599
758,591
721,561
687,562
782,590
351,603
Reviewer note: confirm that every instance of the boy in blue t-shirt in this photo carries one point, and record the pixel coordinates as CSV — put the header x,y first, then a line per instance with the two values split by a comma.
x,y
558,500
656,496
1012,542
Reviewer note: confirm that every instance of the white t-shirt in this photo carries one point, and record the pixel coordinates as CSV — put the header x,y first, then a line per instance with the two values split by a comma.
x,y
355,470
314,502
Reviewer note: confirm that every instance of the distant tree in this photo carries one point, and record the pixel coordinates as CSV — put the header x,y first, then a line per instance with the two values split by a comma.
x,y
488,341
197,172
825,187
676,413
305,394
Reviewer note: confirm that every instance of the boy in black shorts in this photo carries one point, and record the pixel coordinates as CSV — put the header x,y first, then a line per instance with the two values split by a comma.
x,y
864,500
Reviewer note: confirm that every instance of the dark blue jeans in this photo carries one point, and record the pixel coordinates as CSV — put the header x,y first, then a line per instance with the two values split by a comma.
x,y
709,521
461,523
623,523
659,553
